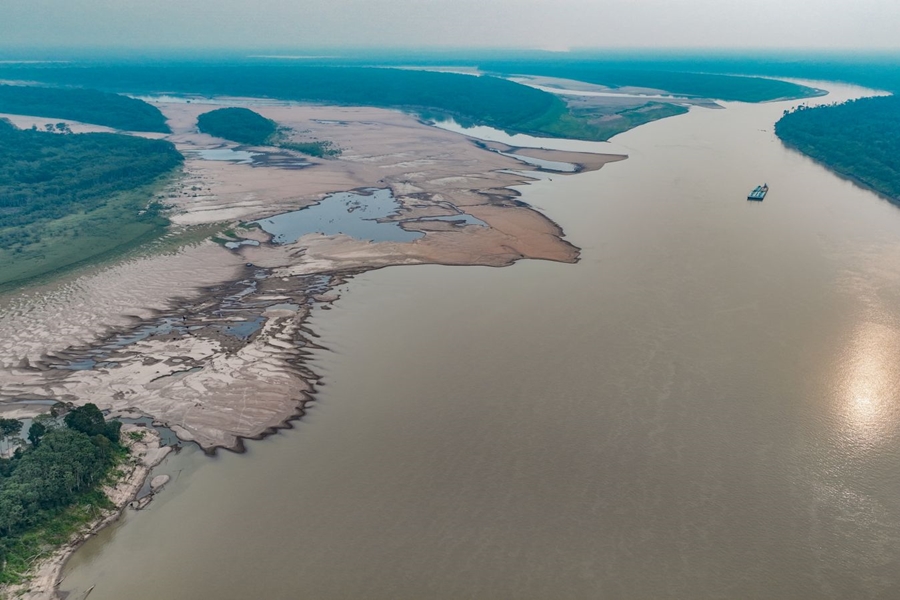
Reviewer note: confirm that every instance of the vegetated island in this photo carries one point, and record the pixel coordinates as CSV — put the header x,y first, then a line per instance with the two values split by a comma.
x,y
859,139
65,197
244,126
87,106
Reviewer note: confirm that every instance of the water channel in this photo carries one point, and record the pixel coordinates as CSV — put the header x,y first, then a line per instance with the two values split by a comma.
x,y
707,405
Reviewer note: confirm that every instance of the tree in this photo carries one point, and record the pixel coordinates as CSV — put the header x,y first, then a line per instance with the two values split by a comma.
x,y
8,428
89,420
48,420
36,432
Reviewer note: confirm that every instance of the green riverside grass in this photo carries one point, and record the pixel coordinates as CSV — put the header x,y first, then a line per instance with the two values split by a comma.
x,y
84,237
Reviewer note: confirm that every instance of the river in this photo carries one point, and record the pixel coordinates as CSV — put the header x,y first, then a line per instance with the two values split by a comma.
x,y
706,406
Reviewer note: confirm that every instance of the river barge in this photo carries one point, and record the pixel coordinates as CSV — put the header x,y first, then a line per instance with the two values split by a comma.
x,y
759,193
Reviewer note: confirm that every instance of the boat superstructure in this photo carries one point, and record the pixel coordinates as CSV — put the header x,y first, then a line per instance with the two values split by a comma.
x,y
759,193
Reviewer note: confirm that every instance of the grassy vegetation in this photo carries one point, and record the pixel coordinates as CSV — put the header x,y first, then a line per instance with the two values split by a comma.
x,y
858,139
88,106
606,126
67,198
50,488
317,149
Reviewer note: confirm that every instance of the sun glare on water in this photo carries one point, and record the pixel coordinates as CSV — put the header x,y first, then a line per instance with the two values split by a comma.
x,y
869,412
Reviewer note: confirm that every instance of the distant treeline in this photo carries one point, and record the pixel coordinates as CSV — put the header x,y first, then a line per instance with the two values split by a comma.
x,y
87,106
879,70
66,197
483,100
681,83
64,463
859,139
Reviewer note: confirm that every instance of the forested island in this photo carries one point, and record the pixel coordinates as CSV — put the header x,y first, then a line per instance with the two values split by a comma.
x,y
50,485
88,106
859,139
68,197
245,126
240,125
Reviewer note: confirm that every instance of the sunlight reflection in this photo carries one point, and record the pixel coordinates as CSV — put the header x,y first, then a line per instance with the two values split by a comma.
x,y
869,400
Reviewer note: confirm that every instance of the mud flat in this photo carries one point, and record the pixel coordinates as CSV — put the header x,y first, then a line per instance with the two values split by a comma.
x,y
211,340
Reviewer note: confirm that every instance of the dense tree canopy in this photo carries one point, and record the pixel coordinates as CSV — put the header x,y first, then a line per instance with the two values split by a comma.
x,y
859,139
240,125
88,106
46,477
90,421
67,197
43,174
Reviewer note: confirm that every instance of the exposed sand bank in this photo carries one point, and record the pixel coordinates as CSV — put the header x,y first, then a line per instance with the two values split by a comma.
x,y
211,341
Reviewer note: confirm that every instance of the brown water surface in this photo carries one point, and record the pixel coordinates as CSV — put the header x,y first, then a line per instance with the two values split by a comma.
x,y
706,406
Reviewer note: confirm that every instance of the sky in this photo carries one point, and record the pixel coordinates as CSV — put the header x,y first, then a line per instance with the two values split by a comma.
x,y
536,24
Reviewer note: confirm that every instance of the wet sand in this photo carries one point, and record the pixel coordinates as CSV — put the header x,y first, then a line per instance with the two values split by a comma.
x,y
211,341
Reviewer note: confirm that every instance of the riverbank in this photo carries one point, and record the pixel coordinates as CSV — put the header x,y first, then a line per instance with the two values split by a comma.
x,y
856,140
145,453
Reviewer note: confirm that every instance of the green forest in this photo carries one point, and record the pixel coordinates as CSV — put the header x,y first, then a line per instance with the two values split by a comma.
x,y
65,197
50,485
87,106
240,125
859,139
488,101
245,126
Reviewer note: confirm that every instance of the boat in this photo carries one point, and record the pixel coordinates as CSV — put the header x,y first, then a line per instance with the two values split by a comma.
x,y
759,192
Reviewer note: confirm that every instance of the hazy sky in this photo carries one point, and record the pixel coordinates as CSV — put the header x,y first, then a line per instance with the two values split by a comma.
x,y
545,24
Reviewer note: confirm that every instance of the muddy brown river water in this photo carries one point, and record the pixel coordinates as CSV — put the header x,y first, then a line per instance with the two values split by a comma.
x,y
707,405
